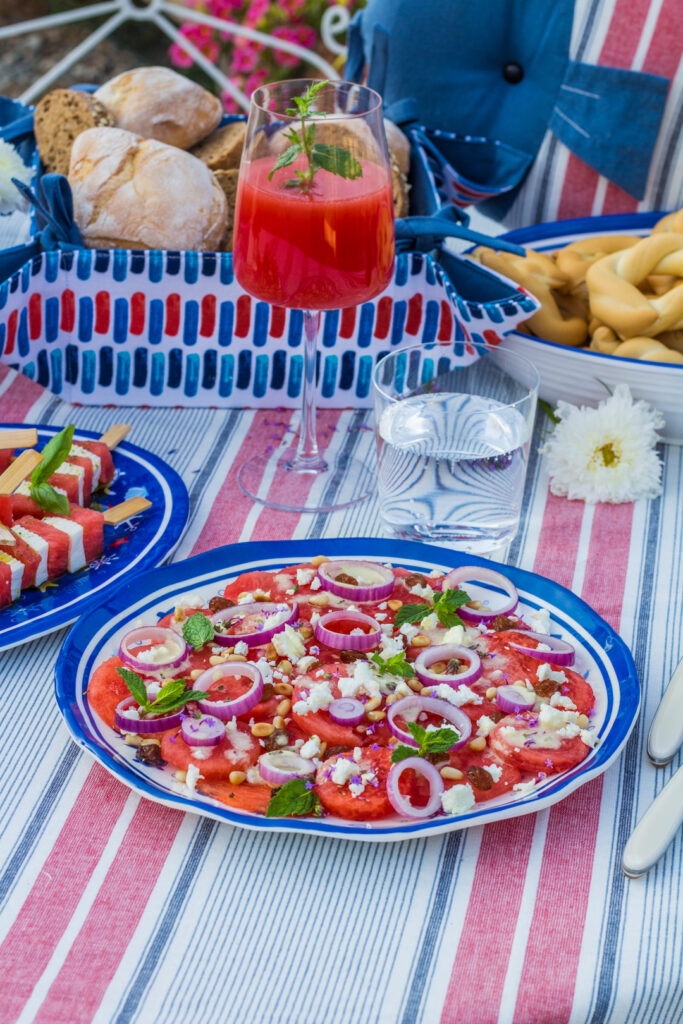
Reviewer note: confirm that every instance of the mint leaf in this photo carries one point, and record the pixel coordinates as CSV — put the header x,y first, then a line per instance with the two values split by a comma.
x,y
417,732
445,605
293,799
411,613
48,498
286,158
401,753
136,686
336,160
198,630
395,666
54,453
173,703
438,741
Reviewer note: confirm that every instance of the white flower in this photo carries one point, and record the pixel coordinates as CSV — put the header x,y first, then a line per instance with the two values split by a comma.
x,y
11,166
608,453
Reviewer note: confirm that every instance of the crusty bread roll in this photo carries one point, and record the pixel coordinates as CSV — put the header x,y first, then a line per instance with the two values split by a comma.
x,y
399,145
158,103
138,193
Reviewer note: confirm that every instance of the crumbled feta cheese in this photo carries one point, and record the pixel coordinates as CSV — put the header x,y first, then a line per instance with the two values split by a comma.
x,y
543,647
130,713
157,655
266,670
363,680
356,788
311,748
343,770
409,630
193,600
289,644
524,788
589,737
192,777
316,584
544,672
429,622
494,770
380,616
387,627
304,576
241,647
303,664
457,799
382,607
357,632
254,776
201,753
496,674
455,635
456,695
357,754
485,725
423,591
403,690
569,731
540,621
231,725
314,618
508,731
318,699
390,646
558,701
554,718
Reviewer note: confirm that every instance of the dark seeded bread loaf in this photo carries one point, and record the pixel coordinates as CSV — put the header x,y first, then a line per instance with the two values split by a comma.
x,y
222,150
228,182
60,117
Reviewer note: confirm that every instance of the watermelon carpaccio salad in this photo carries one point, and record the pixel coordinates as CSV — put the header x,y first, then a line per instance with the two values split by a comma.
x,y
352,689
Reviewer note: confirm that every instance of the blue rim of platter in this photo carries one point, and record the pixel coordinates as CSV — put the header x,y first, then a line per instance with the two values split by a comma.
x,y
131,547
553,234
95,637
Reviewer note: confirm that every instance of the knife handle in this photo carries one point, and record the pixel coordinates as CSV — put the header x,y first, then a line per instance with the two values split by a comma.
x,y
666,731
656,829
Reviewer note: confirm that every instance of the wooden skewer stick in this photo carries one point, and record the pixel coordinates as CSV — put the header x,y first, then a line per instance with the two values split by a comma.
x,y
115,434
22,467
24,437
126,510
6,536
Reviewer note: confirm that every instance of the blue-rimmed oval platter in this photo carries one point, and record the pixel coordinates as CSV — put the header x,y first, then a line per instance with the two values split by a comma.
x,y
601,656
133,546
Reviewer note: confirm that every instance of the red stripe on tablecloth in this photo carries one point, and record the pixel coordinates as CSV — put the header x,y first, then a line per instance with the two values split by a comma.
x,y
48,908
618,49
230,508
281,525
663,57
79,987
558,543
476,984
20,396
573,824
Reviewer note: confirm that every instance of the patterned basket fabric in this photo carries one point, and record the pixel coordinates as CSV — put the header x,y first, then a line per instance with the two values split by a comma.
x,y
174,328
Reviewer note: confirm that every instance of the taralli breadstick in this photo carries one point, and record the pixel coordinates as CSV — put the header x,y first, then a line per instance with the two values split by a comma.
x,y
617,301
22,467
115,434
6,536
672,222
647,348
23,437
126,510
575,259
604,340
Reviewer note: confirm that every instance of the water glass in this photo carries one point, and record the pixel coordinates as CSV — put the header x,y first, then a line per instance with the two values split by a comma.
x,y
453,424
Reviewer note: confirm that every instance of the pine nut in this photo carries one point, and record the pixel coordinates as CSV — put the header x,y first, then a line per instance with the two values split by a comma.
x,y
319,599
270,652
262,729
180,775
426,691
372,704
376,716
140,741
479,743
195,673
414,684
179,615
244,595
491,693
392,698
306,632
582,721
284,707
279,722
323,746
420,641
285,666
237,778
217,659
451,773
318,560
394,604
284,688
237,657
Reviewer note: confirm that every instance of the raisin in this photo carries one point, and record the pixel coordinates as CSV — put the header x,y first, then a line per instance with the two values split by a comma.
x,y
546,688
150,754
350,656
496,716
344,577
414,579
217,604
268,691
434,758
277,740
333,751
479,777
502,622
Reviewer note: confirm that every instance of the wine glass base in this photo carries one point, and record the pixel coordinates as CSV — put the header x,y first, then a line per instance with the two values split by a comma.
x,y
288,489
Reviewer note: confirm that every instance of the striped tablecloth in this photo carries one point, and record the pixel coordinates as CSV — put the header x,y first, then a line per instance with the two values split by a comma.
x,y
116,909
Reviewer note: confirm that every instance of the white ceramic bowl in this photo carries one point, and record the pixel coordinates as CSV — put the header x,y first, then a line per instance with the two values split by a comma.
x,y
579,376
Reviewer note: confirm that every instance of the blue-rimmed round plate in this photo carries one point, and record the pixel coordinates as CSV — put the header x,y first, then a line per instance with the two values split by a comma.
x,y
601,655
579,375
138,544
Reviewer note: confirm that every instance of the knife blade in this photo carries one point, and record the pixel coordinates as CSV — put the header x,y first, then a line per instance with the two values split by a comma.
x,y
666,731
655,830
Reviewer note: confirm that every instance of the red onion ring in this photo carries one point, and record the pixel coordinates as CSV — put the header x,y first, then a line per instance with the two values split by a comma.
x,y
280,766
226,709
434,705
346,711
476,572
510,700
143,726
401,803
156,636
344,641
206,731
259,636
444,652
560,653
328,572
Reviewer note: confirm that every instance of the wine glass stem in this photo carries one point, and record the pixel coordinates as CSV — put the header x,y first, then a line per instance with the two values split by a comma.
x,y
308,458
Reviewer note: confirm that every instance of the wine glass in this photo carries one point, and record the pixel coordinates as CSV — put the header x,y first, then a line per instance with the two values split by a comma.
x,y
314,231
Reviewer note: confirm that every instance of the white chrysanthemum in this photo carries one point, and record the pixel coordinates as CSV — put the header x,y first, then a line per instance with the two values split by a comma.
x,y
605,454
11,166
